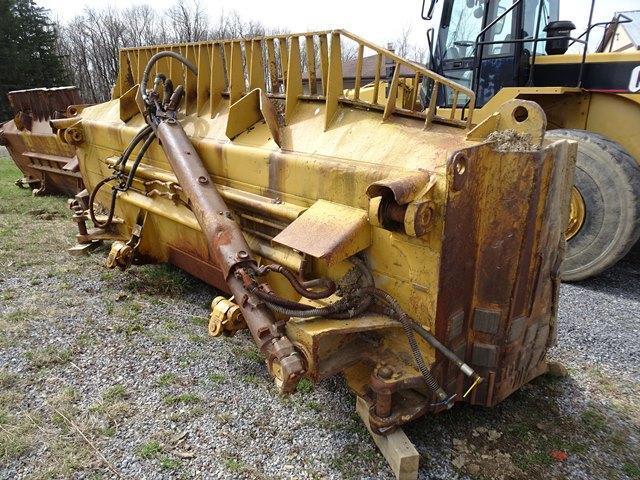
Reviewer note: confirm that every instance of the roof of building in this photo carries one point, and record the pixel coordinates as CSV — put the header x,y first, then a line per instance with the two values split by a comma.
x,y
631,28
369,68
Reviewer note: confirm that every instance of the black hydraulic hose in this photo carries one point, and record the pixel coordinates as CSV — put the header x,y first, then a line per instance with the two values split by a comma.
x,y
429,379
134,142
302,287
369,281
407,327
151,63
362,266
272,298
427,336
435,343
92,199
143,149
343,308
333,309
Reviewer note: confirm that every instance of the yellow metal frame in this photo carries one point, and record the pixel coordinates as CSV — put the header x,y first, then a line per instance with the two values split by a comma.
x,y
310,177
223,73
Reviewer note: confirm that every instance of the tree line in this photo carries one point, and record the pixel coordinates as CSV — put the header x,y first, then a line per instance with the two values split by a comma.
x,y
36,51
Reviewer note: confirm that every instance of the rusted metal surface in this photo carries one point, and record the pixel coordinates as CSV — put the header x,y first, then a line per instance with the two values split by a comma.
x,y
442,250
345,231
48,164
229,249
498,288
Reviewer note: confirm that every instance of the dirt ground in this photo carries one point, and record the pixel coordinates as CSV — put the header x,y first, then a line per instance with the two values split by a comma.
x,y
109,374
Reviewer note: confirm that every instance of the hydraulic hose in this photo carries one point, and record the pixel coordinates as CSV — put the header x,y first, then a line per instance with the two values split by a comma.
x,y
143,149
334,310
272,298
427,336
132,144
118,165
302,287
347,307
152,61
407,327
92,199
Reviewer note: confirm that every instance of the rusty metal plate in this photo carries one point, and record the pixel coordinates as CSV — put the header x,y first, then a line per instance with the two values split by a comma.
x,y
329,231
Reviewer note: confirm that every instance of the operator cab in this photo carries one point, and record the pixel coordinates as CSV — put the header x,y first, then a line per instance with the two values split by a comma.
x,y
488,37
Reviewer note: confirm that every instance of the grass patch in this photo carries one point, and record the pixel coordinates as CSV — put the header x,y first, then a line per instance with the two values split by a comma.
x,y
166,379
17,436
184,398
48,356
18,316
114,393
14,200
129,328
196,338
631,470
594,419
532,460
233,464
65,456
149,450
315,406
168,463
251,379
304,386
162,279
7,379
215,377
200,321
249,353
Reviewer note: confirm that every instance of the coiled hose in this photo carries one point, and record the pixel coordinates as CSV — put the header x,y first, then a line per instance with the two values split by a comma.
x,y
347,307
302,287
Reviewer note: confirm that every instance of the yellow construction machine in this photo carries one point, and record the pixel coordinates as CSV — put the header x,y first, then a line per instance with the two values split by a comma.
x,y
47,162
397,246
504,50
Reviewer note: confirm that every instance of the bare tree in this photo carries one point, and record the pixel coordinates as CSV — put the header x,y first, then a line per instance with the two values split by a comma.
x,y
405,49
188,22
90,43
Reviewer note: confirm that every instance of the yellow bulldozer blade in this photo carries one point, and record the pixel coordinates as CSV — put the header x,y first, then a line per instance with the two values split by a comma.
x,y
357,234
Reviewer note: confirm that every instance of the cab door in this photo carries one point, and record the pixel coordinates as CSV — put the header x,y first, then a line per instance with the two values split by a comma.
x,y
462,21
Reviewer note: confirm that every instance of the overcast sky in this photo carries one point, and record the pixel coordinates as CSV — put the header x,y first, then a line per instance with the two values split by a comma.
x,y
377,21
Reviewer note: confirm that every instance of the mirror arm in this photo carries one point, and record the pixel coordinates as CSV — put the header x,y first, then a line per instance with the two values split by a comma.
x,y
432,7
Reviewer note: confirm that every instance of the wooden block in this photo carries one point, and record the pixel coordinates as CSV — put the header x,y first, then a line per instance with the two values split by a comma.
x,y
402,456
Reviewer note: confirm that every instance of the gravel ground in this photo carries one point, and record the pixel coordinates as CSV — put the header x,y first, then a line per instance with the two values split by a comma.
x,y
109,374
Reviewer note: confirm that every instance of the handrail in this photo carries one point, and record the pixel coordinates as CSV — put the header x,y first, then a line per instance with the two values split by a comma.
x,y
477,64
606,24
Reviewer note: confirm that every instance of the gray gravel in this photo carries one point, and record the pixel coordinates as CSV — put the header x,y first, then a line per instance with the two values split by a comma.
x,y
139,371
599,321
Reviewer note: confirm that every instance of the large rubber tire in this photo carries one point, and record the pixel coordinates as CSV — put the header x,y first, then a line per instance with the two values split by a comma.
x,y
608,179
